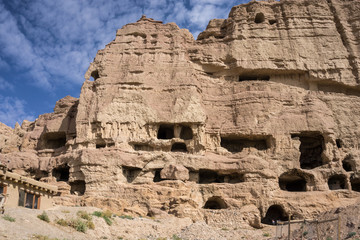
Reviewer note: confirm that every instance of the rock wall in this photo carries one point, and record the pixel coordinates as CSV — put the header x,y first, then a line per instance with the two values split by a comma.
x,y
256,120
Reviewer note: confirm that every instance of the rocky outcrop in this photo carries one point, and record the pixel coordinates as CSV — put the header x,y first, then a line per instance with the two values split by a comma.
x,y
255,120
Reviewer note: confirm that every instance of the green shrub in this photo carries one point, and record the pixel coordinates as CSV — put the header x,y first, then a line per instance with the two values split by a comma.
x,y
126,217
329,238
351,234
84,215
78,225
305,233
105,215
266,234
44,217
90,225
97,214
62,222
8,218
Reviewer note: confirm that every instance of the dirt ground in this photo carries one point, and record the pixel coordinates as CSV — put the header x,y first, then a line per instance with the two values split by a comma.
x,y
28,226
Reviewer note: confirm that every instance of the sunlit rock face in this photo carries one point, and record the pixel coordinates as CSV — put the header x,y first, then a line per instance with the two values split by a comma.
x,y
256,120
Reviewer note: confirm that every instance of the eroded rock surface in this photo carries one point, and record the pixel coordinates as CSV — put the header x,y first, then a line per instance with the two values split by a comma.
x,y
255,120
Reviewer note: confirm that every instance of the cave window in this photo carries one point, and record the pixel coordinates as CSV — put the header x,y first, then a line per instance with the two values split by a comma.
x,y
61,173
292,182
336,182
251,77
237,144
259,18
272,21
95,74
311,148
157,176
54,140
100,143
78,187
179,147
130,173
348,165
234,178
186,133
355,184
209,176
215,203
165,132
339,143
274,213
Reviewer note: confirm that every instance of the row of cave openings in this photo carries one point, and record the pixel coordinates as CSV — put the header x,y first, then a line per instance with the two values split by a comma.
x,y
203,176
297,181
274,212
168,132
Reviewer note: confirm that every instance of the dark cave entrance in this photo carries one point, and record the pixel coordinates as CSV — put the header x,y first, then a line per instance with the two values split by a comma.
x,y
78,187
130,173
186,133
215,203
259,18
61,173
165,132
292,182
179,147
274,213
355,184
311,148
54,140
337,182
237,144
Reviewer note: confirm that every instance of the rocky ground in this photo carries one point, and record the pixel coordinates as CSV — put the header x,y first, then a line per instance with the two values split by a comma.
x,y
28,226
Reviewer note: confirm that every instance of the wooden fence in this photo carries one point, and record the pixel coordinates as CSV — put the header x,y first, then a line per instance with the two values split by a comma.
x,y
285,229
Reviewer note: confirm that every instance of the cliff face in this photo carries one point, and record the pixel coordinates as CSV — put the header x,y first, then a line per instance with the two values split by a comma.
x,y
257,118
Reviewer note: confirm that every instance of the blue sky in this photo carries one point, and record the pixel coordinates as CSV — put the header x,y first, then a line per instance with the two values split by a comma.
x,y
47,45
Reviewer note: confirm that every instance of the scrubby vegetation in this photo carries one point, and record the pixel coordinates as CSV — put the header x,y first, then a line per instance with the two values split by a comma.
x,y
107,216
8,218
44,217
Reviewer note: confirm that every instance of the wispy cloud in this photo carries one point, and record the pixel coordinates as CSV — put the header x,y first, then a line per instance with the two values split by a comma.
x,y
5,85
12,110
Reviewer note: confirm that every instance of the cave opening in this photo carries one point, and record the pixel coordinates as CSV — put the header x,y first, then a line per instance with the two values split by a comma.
x,y
54,140
95,74
209,176
311,148
337,182
252,77
339,143
157,176
355,184
165,132
77,187
215,203
259,18
348,165
61,173
186,133
237,144
130,173
179,147
274,213
292,182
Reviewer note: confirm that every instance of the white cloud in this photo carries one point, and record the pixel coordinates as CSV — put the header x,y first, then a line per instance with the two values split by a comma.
x,y
12,110
5,85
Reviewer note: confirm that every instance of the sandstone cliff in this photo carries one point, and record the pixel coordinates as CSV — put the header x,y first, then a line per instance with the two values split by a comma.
x,y
255,120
